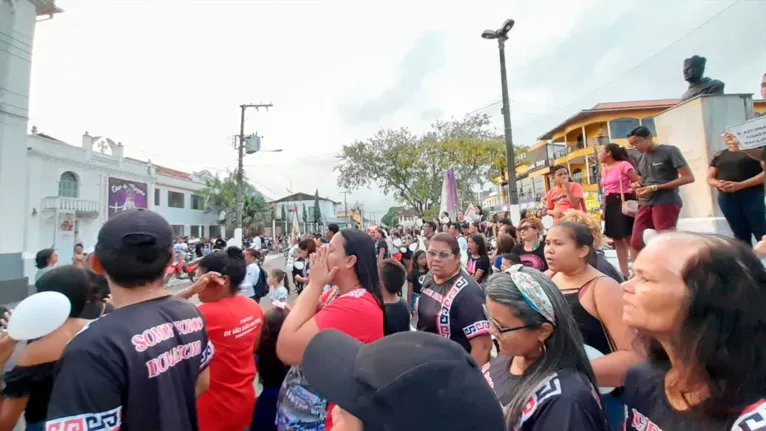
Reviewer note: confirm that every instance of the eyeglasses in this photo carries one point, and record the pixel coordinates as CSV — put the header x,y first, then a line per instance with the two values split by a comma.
x,y
524,228
501,329
444,254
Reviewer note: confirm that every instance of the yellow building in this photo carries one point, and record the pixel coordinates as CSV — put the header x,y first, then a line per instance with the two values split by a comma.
x,y
580,136
574,143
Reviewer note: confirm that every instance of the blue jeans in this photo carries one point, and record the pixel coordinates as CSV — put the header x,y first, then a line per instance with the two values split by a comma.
x,y
745,211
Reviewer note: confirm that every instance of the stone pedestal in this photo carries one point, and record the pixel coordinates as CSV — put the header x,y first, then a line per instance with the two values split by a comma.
x,y
695,127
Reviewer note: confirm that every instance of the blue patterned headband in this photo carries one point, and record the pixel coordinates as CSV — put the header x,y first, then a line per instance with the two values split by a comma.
x,y
533,293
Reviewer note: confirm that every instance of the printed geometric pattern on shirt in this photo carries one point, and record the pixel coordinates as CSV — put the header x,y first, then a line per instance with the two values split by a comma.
x,y
548,388
443,318
109,420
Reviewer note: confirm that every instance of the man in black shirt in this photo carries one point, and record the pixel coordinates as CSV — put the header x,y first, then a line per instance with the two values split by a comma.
x,y
392,277
141,366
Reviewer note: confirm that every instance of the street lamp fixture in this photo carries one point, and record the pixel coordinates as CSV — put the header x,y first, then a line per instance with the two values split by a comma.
x,y
501,35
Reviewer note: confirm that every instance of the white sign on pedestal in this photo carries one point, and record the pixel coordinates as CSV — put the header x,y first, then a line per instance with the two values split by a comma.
x,y
751,133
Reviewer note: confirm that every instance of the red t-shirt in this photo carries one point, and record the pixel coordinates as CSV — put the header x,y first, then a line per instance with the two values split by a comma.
x,y
556,199
356,313
233,324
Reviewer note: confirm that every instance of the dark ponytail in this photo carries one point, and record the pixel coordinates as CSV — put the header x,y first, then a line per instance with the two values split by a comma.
x,y
618,153
229,262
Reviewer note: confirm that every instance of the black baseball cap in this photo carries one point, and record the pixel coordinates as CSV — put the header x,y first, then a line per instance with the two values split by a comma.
x,y
408,381
134,230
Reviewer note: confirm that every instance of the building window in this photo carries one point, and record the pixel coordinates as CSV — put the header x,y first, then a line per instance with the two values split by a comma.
x,y
178,229
195,231
213,231
175,199
156,197
622,126
68,185
648,122
196,202
577,176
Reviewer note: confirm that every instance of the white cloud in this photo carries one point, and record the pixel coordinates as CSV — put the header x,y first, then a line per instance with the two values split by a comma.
x,y
166,77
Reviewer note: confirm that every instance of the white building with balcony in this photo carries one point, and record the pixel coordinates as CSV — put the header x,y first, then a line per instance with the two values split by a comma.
x,y
84,185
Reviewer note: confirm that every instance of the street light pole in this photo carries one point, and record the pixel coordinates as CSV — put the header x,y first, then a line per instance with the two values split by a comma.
x,y
502,35
240,159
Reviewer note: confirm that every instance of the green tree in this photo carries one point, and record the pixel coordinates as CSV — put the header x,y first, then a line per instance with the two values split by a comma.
x,y
220,194
411,167
317,212
390,218
305,215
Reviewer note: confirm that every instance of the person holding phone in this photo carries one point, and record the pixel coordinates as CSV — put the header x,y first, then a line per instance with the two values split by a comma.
x,y
564,195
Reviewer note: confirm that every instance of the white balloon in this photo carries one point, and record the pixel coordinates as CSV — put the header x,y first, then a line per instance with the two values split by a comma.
x,y
413,246
594,353
38,315
298,265
445,220
397,242
403,249
547,222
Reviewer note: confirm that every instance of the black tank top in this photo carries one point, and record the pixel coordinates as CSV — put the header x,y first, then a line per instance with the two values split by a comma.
x,y
591,328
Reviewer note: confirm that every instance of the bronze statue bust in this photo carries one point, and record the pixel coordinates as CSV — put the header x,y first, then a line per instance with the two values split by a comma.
x,y
694,69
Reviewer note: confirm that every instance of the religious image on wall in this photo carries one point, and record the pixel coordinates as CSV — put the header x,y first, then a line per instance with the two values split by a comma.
x,y
126,195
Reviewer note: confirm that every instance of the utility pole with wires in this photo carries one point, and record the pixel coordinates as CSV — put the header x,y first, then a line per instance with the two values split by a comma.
x,y
241,157
345,204
361,215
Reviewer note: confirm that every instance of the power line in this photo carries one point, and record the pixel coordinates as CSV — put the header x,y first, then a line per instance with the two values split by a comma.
x,y
684,36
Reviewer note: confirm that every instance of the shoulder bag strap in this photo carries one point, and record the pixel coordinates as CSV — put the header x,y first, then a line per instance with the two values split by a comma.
x,y
609,339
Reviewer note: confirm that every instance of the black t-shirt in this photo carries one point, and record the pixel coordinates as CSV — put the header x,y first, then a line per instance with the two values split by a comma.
x,y
134,369
458,304
35,383
397,317
565,401
736,166
382,244
533,259
481,263
647,407
417,279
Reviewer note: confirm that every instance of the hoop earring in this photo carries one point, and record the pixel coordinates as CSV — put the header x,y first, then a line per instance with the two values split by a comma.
x,y
543,349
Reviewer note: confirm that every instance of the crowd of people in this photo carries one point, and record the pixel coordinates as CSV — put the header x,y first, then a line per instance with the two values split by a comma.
x,y
453,325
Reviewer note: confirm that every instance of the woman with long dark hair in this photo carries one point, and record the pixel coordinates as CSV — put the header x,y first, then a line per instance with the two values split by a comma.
x,y
233,322
416,277
539,346
354,305
697,303
617,173
478,261
29,384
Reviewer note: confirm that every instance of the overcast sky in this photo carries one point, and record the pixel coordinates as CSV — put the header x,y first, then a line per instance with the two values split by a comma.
x,y
166,77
